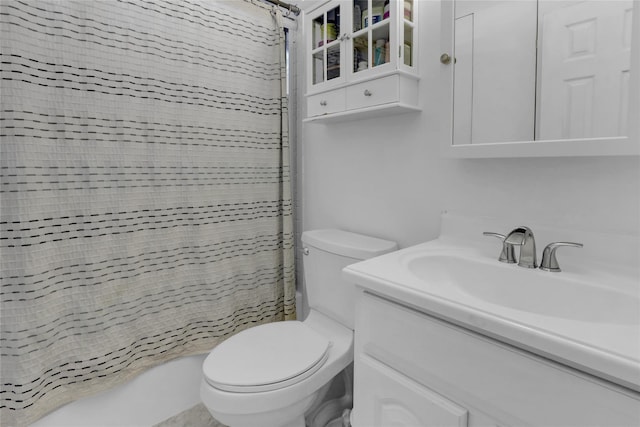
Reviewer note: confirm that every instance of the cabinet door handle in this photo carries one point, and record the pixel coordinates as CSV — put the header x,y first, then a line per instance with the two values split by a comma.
x,y
323,103
445,58
367,92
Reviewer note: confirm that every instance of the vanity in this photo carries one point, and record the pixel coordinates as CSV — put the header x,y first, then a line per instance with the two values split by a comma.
x,y
446,335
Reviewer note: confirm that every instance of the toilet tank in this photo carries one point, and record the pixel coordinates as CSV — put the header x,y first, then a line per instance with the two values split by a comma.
x,y
327,252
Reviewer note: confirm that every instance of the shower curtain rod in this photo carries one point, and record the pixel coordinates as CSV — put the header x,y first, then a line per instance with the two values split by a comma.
x,y
285,5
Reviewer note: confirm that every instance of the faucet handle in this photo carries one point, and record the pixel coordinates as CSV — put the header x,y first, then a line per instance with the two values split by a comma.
x,y
508,253
549,260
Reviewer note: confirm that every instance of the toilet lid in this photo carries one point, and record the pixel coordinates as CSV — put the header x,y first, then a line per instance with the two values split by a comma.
x,y
266,357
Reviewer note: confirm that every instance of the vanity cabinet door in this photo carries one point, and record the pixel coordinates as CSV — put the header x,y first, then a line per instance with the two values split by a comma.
x,y
509,385
385,397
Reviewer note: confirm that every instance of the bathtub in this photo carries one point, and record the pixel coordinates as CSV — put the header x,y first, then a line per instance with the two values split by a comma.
x,y
148,399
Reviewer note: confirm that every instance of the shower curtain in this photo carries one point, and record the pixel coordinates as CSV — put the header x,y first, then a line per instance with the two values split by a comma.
x,y
145,203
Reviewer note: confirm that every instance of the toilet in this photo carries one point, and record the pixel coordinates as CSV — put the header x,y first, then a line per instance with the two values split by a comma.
x,y
271,375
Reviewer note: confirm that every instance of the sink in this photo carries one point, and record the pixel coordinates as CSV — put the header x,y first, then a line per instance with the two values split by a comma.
x,y
527,290
587,316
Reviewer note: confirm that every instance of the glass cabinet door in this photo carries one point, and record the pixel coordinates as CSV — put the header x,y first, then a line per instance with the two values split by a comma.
x,y
383,32
408,33
354,40
371,34
361,58
326,50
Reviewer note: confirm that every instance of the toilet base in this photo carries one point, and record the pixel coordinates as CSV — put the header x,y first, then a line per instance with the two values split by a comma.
x,y
291,416
335,410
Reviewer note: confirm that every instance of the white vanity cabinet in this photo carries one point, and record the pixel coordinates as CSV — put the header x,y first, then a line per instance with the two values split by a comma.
x,y
361,59
412,369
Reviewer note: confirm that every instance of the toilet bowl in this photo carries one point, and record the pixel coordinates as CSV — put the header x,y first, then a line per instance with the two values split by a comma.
x,y
271,375
280,399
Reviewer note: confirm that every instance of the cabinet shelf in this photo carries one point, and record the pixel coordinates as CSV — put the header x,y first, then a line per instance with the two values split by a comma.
x,y
329,45
409,23
371,27
384,110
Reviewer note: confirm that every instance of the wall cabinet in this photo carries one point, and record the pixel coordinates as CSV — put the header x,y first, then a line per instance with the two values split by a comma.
x,y
412,369
361,58
523,85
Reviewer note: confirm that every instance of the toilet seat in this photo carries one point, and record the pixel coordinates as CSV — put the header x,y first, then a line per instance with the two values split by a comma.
x,y
266,357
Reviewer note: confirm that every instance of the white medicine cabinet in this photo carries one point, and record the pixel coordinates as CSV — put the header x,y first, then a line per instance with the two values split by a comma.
x,y
538,78
361,59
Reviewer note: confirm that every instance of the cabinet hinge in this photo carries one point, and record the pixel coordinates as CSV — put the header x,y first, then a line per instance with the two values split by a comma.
x,y
399,51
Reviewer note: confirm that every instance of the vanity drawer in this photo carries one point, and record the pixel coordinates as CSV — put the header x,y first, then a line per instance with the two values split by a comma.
x,y
373,92
325,103
513,386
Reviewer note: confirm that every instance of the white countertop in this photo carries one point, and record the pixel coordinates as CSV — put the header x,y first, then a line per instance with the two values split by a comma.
x,y
610,350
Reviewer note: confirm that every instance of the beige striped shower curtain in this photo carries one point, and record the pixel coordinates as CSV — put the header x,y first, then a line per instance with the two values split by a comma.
x,y
145,203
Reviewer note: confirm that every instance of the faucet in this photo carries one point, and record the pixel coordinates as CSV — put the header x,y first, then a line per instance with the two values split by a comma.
x,y
523,237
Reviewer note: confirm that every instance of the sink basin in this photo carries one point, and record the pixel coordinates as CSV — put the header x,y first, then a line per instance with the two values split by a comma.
x,y
527,290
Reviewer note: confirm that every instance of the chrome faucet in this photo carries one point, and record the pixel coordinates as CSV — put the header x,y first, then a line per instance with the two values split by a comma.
x,y
523,237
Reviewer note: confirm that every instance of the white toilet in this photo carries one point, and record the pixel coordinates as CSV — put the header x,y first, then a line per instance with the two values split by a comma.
x,y
270,375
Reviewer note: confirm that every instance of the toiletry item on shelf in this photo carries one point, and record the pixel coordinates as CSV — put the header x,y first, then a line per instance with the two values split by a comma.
x,y
359,60
333,63
408,10
361,50
379,53
318,33
385,9
332,31
407,54
376,16
357,18
328,31
387,53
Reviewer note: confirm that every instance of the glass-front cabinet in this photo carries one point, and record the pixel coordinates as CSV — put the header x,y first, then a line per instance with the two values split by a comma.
x,y
326,46
361,58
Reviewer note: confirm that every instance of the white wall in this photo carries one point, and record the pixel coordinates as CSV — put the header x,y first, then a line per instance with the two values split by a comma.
x,y
386,177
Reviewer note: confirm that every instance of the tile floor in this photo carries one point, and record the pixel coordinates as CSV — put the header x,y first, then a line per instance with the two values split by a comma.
x,y
198,416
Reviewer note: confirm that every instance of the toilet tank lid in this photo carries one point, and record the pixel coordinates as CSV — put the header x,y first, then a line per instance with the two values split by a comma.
x,y
347,244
